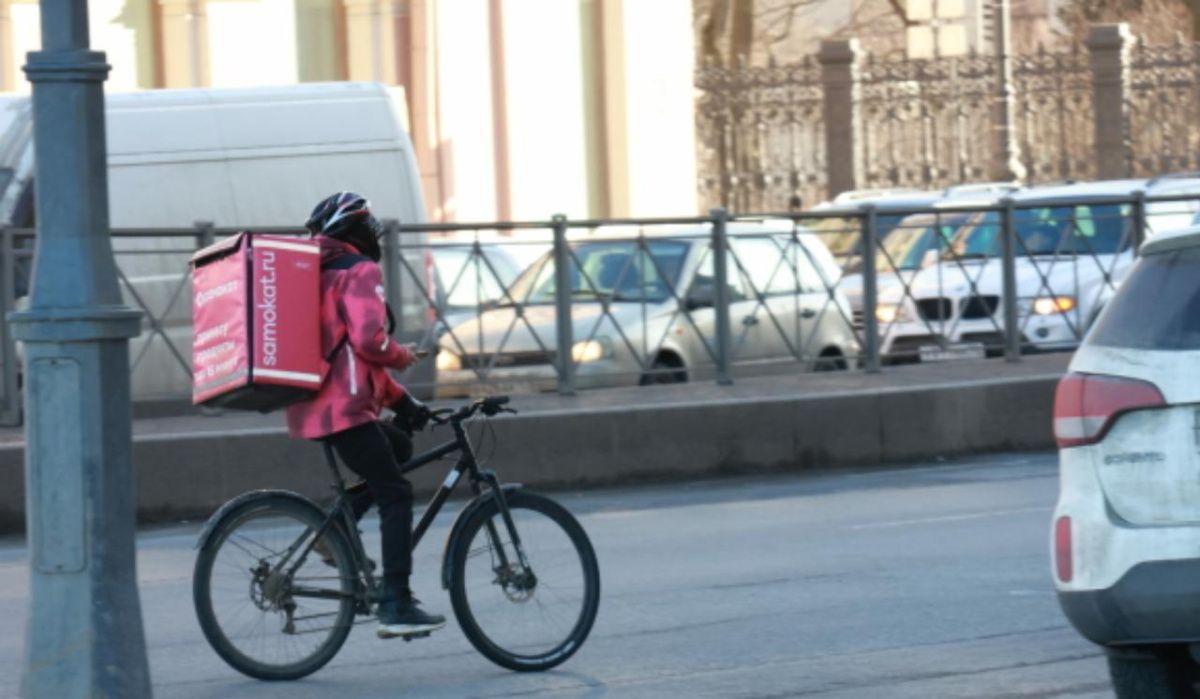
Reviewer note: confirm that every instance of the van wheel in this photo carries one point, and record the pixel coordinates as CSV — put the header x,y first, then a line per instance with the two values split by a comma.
x,y
1141,673
666,369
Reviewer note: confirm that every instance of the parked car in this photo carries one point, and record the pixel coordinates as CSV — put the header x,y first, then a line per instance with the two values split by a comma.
x,y
242,159
643,312
912,242
1124,540
1075,245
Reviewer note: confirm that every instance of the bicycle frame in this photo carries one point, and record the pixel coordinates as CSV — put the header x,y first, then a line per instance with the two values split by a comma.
x,y
466,463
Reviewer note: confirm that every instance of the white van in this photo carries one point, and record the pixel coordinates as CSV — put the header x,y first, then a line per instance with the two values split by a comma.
x,y
239,159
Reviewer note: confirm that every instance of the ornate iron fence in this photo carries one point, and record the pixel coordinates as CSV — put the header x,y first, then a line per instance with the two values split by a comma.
x,y
761,136
1053,94
922,118
1164,108
770,138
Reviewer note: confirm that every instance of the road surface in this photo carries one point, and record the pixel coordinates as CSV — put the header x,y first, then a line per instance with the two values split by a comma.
x,y
930,581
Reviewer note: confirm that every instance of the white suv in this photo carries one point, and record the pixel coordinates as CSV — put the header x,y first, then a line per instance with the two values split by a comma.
x,y
1126,534
1075,245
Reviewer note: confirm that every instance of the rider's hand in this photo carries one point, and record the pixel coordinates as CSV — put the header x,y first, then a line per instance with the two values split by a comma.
x,y
419,354
411,414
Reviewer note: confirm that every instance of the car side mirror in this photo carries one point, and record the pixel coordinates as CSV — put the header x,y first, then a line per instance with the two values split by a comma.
x,y
701,296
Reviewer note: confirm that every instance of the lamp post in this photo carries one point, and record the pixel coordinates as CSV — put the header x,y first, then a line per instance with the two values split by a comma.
x,y
84,636
1006,162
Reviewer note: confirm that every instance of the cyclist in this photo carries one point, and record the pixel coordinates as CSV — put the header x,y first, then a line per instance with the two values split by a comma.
x,y
355,340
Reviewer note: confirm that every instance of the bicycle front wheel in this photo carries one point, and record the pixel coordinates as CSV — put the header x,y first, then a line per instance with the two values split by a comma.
x,y
264,615
524,619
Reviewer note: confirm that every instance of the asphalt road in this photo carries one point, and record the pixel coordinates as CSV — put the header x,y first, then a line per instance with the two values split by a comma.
x,y
921,582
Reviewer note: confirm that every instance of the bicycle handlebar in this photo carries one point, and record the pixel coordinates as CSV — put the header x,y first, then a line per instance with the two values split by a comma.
x,y
488,406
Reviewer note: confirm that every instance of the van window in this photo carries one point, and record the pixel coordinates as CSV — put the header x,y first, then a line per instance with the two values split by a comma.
x,y
1155,309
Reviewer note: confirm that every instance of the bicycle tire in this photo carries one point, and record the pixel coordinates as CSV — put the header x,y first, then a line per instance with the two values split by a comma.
x,y
277,510
527,510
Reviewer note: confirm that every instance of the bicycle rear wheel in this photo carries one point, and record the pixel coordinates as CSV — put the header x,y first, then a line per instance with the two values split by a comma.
x,y
262,623
519,621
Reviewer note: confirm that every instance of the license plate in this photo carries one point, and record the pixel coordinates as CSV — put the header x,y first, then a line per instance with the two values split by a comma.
x,y
950,353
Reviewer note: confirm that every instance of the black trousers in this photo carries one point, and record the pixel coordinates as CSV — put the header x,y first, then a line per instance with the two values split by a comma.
x,y
375,451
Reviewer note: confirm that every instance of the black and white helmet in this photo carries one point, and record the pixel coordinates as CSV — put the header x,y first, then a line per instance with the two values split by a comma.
x,y
339,214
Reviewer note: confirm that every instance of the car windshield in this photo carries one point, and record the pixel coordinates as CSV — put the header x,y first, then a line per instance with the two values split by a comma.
x,y
620,270
470,280
1155,309
1085,229
906,244
843,236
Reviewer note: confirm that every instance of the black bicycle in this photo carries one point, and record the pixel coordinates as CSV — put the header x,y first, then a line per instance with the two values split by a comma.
x,y
523,578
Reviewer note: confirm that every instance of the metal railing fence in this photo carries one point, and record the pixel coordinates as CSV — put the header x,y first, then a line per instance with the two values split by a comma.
x,y
564,305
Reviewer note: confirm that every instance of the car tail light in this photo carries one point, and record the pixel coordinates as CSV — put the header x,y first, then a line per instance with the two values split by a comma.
x,y
1086,405
1062,549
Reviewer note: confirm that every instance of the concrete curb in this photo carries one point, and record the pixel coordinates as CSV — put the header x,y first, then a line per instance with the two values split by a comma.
x,y
188,475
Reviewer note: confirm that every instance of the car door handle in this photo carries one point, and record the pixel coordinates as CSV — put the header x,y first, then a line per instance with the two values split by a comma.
x,y
749,320
808,313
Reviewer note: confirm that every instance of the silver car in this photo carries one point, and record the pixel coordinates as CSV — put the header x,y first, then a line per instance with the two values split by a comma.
x,y
643,312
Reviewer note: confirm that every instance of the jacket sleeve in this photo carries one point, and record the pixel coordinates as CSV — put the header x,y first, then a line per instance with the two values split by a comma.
x,y
390,392
365,314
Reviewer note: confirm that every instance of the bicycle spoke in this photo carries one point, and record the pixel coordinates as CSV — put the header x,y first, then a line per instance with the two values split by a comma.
x,y
264,623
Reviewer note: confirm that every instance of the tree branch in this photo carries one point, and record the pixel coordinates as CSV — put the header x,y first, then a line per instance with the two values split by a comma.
x,y
898,8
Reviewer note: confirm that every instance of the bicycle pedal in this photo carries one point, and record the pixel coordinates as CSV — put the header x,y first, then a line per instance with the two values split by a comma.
x,y
411,636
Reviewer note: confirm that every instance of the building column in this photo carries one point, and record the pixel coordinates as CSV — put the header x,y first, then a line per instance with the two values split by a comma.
x,y
1108,53
419,68
500,110
841,61
372,41
607,127
184,43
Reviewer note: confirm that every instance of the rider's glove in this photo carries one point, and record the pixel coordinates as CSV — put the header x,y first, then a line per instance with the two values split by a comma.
x,y
411,414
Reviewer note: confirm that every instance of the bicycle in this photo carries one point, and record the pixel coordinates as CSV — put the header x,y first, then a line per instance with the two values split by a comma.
x,y
274,612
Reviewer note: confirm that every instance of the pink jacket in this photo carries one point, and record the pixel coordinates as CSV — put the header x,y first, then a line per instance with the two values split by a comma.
x,y
357,384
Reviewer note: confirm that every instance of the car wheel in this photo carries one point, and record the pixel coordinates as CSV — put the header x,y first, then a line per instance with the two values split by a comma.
x,y
830,360
665,370
1143,673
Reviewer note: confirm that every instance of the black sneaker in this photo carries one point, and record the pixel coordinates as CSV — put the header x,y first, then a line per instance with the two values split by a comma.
x,y
404,617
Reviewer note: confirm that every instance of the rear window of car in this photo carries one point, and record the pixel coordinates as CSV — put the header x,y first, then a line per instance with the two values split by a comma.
x,y
1156,306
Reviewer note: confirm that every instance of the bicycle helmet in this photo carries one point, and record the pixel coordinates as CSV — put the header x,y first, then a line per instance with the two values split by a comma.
x,y
347,216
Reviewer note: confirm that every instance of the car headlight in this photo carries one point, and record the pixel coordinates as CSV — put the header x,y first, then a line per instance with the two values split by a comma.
x,y
448,361
1050,305
891,313
591,350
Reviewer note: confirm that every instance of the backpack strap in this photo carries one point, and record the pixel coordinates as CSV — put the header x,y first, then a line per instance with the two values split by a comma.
x,y
344,262
348,261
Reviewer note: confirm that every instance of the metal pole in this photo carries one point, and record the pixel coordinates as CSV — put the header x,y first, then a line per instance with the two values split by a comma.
x,y
84,636
206,234
392,273
870,288
10,408
564,330
1138,221
720,248
1007,165
1008,262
